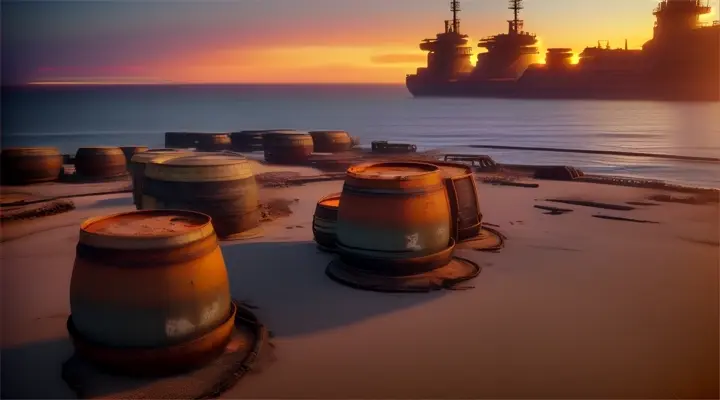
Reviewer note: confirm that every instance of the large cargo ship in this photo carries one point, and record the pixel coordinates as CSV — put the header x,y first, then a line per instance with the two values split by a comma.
x,y
680,63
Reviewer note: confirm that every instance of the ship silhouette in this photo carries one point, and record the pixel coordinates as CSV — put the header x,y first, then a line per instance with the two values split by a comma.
x,y
680,63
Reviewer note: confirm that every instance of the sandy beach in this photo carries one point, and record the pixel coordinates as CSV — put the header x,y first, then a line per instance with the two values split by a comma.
x,y
573,307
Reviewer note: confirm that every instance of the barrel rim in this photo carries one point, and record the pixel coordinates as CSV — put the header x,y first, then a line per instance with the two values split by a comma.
x,y
330,196
146,157
229,159
132,242
356,171
468,169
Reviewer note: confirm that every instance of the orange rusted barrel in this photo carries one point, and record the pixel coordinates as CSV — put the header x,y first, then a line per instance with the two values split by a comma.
x,y
287,147
464,203
100,162
221,185
325,221
27,165
149,292
137,168
331,141
395,218
212,142
130,151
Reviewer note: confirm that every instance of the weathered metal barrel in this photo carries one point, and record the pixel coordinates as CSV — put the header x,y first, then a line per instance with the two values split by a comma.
x,y
212,142
247,141
149,292
287,147
100,162
325,220
220,185
137,168
130,151
464,203
331,141
395,218
26,165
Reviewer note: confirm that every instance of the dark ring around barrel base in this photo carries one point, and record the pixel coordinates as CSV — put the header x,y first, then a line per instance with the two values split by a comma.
x,y
396,266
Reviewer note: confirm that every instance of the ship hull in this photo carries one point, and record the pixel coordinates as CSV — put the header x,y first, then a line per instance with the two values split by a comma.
x,y
516,89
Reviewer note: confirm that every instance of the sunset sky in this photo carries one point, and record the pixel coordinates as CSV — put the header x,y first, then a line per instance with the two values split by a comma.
x,y
276,41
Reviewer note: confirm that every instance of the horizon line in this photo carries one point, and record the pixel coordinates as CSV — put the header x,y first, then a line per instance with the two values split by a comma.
x,y
200,84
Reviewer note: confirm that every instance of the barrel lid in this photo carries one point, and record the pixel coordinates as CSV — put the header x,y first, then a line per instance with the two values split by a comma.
x,y
452,170
207,159
146,229
156,156
392,170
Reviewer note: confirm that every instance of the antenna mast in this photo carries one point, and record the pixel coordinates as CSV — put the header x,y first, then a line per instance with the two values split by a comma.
x,y
516,24
455,7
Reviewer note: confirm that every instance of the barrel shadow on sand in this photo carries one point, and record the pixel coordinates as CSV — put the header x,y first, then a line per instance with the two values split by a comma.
x,y
33,370
287,282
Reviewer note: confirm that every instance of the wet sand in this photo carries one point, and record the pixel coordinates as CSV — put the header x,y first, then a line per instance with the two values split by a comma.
x,y
573,306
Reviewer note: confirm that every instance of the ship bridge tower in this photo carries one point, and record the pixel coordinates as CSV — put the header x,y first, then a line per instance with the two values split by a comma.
x,y
448,54
676,17
508,54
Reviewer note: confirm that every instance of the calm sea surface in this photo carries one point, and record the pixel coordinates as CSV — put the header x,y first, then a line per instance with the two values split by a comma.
x,y
71,117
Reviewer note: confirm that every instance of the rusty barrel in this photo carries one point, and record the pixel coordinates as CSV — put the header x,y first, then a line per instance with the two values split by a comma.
x,y
212,142
287,147
149,292
27,165
247,141
100,162
137,168
331,141
395,218
130,151
464,203
325,220
220,185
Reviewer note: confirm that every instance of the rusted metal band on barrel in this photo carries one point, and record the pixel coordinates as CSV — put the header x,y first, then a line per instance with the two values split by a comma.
x,y
396,266
146,258
156,361
408,192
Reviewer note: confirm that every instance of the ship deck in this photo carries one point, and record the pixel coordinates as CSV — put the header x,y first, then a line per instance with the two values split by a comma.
x,y
572,307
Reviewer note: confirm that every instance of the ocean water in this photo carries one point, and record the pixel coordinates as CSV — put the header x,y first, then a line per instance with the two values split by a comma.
x,y
71,117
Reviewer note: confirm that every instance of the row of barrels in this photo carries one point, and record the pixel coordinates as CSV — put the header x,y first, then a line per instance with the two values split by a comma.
x,y
29,165
256,140
399,217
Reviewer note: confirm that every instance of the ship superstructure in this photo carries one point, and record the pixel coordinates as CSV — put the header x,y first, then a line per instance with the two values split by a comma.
x,y
448,54
680,62
507,54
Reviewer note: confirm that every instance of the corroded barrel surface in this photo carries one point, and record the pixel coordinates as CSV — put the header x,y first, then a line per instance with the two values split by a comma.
x,y
146,281
130,151
26,165
212,142
464,202
325,219
287,147
331,141
394,213
137,168
100,162
220,185
247,141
